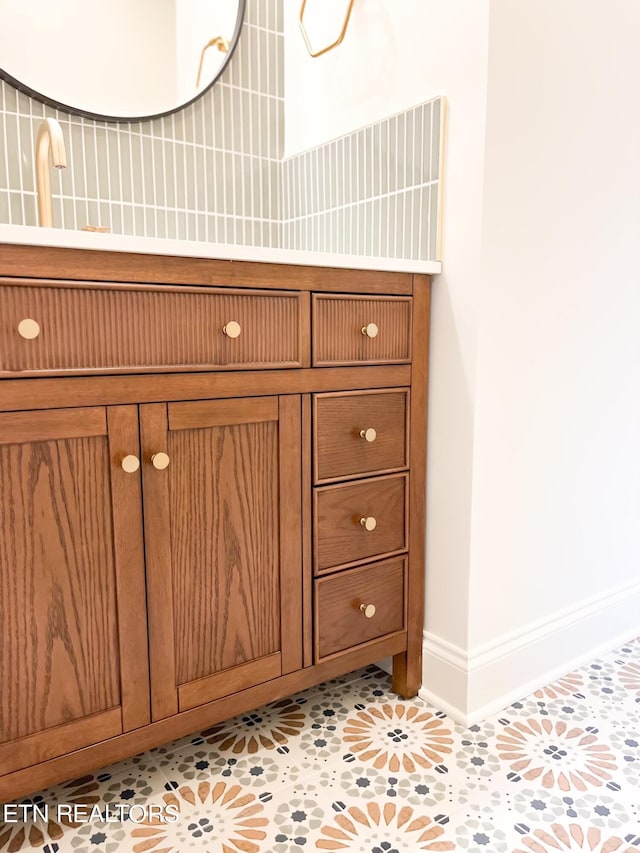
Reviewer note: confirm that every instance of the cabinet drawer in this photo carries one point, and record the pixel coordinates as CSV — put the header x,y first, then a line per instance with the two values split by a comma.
x,y
359,605
357,521
83,328
361,329
357,433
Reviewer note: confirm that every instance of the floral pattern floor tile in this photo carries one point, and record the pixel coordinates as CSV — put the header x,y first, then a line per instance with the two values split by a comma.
x,y
348,766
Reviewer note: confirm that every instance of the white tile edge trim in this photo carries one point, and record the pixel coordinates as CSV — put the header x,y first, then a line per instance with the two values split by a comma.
x,y
442,165
493,676
58,237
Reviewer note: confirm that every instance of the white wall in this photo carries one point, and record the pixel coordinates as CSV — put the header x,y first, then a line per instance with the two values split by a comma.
x,y
394,56
534,455
556,462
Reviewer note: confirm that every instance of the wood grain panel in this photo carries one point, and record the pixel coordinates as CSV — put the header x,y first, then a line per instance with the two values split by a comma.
x,y
211,413
339,621
48,744
154,436
59,657
94,327
407,666
42,261
337,329
339,450
25,427
290,519
129,565
229,681
340,539
224,546
307,535
18,394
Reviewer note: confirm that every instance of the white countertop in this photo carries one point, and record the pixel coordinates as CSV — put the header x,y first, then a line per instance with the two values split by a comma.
x,y
30,235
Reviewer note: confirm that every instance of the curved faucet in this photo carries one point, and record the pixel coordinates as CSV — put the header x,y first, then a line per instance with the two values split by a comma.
x,y
50,139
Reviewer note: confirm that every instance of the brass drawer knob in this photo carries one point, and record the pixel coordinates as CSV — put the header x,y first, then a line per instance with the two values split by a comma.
x,y
160,461
28,329
368,434
370,330
232,329
369,610
369,523
130,464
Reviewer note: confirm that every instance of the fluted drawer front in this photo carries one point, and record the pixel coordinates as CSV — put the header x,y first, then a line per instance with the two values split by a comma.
x,y
359,433
83,328
356,522
359,605
361,329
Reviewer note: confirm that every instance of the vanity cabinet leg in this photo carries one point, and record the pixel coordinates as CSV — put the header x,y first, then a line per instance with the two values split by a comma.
x,y
407,675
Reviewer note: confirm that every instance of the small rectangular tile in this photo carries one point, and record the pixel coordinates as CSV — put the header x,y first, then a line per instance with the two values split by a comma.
x,y
414,225
225,119
14,160
146,166
198,114
117,220
4,205
127,220
200,181
180,172
10,98
272,43
432,249
113,159
125,166
252,12
158,173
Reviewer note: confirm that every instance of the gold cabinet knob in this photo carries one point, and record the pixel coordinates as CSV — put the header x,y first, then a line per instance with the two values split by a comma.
x,y
368,434
130,464
232,329
369,523
369,610
28,329
160,461
370,330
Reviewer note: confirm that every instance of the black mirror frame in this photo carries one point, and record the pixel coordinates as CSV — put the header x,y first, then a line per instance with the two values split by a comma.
x,y
44,99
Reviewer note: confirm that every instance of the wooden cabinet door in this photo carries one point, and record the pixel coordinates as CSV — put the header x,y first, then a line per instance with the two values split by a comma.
x,y
73,644
223,546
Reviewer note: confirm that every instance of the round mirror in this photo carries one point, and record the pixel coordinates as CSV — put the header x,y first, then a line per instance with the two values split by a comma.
x,y
118,60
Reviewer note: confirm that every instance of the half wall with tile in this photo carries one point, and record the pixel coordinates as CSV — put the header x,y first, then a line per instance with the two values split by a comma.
x,y
375,192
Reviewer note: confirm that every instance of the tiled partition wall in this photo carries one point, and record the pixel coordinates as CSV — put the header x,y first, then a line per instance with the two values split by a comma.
x,y
375,192
209,172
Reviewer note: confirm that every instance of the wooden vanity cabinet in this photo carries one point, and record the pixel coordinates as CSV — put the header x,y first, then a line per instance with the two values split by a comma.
x,y
211,494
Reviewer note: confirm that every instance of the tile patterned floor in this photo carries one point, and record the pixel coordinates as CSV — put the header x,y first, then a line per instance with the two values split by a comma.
x,y
348,766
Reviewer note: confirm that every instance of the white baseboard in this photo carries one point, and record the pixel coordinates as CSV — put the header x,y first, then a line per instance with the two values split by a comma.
x,y
470,686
